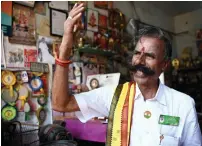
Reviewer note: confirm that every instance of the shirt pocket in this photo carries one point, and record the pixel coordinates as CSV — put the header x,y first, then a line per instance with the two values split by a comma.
x,y
170,141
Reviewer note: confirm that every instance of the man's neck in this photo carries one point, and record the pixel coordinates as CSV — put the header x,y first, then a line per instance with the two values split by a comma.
x,y
149,90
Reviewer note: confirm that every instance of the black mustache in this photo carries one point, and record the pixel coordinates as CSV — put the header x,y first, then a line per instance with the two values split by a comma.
x,y
142,68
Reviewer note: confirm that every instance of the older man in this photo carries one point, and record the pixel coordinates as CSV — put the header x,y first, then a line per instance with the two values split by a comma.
x,y
146,112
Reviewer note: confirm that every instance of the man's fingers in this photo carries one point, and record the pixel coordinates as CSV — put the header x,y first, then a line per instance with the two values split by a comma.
x,y
75,18
75,5
76,12
76,8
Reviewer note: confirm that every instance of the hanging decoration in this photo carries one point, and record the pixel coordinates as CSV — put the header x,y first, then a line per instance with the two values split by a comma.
x,y
8,79
8,113
5,95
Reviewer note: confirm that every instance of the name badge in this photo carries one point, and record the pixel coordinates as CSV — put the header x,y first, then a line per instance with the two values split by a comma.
x,y
169,120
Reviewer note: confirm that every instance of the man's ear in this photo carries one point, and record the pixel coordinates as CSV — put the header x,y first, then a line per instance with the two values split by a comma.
x,y
166,65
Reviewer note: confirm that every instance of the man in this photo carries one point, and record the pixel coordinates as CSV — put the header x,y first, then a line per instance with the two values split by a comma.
x,y
160,115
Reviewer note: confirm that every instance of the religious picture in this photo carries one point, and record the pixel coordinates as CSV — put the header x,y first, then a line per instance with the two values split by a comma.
x,y
102,21
30,55
101,4
45,50
23,25
92,21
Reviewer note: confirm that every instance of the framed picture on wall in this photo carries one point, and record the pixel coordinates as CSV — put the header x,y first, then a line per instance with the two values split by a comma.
x,y
102,21
23,25
101,4
92,20
57,19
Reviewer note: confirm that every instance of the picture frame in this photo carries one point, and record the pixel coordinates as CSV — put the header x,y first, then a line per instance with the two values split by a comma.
x,y
101,4
102,21
57,19
59,5
92,20
23,25
26,3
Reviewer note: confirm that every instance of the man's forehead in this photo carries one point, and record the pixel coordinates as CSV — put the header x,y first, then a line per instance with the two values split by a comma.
x,y
146,42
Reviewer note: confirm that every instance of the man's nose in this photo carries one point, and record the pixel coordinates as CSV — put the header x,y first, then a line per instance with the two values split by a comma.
x,y
141,59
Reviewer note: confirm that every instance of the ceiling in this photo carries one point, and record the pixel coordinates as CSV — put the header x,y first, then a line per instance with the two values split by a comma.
x,y
174,8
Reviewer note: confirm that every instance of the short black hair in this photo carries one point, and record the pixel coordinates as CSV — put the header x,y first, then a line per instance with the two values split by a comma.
x,y
156,32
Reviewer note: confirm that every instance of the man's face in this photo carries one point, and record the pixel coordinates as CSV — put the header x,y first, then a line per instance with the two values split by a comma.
x,y
148,60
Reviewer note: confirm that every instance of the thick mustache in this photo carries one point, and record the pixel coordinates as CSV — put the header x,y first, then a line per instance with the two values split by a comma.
x,y
142,68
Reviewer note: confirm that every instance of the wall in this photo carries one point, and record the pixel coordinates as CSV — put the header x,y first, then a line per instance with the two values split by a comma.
x,y
186,25
147,13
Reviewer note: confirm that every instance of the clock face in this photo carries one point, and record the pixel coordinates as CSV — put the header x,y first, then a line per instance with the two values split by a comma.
x,y
94,83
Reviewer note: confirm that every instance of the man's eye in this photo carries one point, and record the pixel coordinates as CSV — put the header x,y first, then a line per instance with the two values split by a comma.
x,y
150,56
136,53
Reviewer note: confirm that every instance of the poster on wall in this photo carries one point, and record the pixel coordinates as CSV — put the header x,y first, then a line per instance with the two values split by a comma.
x,y
92,20
45,50
30,55
6,17
23,25
102,21
14,54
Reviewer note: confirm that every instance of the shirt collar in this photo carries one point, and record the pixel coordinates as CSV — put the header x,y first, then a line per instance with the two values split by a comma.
x,y
160,97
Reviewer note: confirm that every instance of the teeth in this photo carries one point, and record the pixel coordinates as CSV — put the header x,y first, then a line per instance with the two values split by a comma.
x,y
139,73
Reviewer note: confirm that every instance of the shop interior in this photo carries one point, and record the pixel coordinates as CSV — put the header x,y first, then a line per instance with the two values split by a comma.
x,y
31,34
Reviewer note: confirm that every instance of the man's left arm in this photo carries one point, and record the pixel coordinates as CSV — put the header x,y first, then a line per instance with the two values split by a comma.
x,y
192,133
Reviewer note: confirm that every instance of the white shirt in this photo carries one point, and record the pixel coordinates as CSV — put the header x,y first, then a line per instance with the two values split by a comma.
x,y
146,132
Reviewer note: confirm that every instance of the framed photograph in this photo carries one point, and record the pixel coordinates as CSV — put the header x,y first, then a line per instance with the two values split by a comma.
x,y
101,4
23,25
92,20
57,19
102,21
45,50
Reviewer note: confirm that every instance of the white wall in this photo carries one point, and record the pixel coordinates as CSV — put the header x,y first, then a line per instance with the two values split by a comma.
x,y
189,22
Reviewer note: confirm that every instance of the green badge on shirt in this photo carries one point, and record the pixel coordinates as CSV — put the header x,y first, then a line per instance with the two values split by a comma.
x,y
169,120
